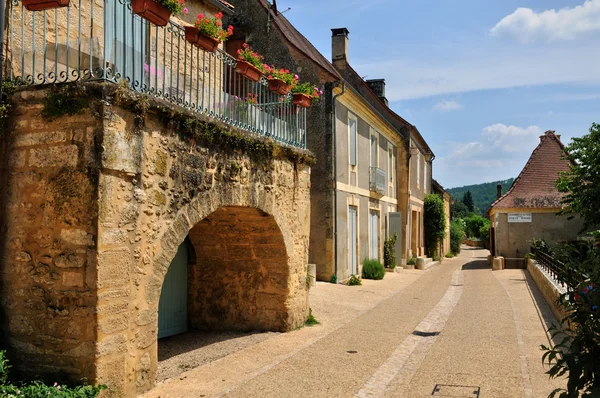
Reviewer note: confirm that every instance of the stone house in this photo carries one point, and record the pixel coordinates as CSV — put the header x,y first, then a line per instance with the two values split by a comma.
x,y
352,212
142,209
530,207
438,189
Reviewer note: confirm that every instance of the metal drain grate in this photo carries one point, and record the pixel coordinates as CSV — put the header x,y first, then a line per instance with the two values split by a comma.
x,y
425,334
449,390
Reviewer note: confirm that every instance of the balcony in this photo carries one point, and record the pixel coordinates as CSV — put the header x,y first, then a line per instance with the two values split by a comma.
x,y
102,40
378,182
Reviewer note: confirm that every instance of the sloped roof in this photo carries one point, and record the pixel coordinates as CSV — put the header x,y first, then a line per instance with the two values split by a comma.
x,y
535,187
299,41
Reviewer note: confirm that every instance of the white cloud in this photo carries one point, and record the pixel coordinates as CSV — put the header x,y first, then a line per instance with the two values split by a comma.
x,y
482,69
567,23
512,138
446,106
499,154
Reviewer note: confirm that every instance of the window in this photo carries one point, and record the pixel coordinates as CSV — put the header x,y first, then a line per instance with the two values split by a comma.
x,y
374,234
353,239
391,171
374,157
425,176
418,169
352,138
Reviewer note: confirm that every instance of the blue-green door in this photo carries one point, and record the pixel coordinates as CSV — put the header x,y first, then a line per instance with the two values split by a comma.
x,y
172,307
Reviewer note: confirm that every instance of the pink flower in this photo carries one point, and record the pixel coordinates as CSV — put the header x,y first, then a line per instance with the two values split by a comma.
x,y
185,10
296,77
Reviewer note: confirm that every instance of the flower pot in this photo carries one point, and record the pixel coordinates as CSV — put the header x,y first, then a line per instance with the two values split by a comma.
x,y
302,100
247,69
278,86
39,5
193,35
151,11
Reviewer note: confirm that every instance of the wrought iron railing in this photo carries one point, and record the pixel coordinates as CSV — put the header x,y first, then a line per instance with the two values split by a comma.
x,y
378,183
104,40
565,276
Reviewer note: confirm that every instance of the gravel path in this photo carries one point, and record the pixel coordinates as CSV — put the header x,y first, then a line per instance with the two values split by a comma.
x,y
457,324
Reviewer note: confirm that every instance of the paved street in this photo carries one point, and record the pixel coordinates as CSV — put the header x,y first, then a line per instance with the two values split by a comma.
x,y
453,330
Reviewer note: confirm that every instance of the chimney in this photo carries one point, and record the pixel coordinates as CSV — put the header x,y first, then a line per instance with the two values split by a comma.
x,y
378,87
498,191
547,134
339,44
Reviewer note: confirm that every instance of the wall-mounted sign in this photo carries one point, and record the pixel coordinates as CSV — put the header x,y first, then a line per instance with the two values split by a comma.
x,y
519,217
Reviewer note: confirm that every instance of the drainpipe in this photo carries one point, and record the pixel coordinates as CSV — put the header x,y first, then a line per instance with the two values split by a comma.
x,y
335,222
2,16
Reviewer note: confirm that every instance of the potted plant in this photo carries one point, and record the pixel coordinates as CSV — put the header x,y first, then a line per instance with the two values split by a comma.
x,y
249,63
158,11
281,81
40,5
304,94
208,32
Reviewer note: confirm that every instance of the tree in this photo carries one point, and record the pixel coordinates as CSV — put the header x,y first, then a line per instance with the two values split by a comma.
x,y
457,235
434,223
581,183
459,210
468,201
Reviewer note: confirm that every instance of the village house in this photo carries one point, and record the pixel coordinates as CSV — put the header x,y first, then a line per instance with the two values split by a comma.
x,y
529,210
156,201
373,167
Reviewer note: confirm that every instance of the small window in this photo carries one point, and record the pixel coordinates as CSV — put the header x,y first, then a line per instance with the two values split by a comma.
x,y
352,138
418,169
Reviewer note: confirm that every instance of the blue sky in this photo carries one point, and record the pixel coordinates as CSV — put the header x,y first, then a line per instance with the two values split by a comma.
x,y
481,80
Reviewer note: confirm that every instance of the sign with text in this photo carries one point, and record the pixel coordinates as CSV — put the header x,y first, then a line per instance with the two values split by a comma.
x,y
519,217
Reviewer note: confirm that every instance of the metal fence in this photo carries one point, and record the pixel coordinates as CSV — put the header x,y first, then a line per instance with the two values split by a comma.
x,y
563,275
104,40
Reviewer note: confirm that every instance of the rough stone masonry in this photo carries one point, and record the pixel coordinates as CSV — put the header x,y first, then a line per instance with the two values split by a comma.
x,y
93,208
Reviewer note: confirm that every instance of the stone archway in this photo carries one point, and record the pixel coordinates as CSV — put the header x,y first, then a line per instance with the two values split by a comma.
x,y
240,279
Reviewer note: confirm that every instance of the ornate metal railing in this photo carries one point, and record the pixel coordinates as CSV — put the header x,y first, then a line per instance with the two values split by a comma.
x,y
562,274
378,181
104,40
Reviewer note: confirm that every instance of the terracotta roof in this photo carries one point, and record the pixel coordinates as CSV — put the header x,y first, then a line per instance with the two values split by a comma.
x,y
299,41
536,185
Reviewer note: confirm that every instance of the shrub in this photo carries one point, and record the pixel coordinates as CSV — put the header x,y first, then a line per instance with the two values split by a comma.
x,y
39,389
434,223
473,225
457,235
412,260
449,255
484,233
311,321
354,281
373,269
389,252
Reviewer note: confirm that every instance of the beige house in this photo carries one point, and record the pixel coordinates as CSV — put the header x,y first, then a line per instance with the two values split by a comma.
x,y
530,207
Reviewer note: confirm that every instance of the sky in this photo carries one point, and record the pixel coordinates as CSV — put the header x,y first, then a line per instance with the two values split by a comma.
x,y
480,80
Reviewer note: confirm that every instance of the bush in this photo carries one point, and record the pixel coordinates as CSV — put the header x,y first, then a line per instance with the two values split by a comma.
x,y
412,260
372,269
389,252
39,389
434,223
449,255
484,233
457,235
474,224
354,281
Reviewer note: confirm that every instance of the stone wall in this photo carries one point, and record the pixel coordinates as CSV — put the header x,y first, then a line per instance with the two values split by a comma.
x,y
548,287
94,213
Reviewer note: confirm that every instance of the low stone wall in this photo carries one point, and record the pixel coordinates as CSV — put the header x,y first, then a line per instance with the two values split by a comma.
x,y
549,288
473,243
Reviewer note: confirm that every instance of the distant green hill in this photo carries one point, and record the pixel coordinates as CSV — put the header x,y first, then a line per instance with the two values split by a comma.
x,y
483,194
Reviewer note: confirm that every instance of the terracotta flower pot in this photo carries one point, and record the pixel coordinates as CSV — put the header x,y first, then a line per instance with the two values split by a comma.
x,y
193,35
278,86
39,5
247,69
302,100
151,11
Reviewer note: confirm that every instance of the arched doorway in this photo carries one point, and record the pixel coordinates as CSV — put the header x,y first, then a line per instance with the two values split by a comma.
x,y
237,281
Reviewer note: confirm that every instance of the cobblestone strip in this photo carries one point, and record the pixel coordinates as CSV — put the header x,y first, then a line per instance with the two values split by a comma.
x,y
527,390
401,366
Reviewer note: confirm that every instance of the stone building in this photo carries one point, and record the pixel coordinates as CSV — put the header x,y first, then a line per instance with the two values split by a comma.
x,y
530,207
131,212
438,189
352,212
